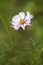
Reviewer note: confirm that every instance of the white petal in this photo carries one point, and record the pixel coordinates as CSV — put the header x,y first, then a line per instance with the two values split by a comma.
x,y
16,27
28,22
25,25
29,16
22,15
22,26
16,19
15,23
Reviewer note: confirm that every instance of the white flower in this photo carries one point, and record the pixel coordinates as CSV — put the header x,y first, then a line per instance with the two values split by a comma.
x,y
21,20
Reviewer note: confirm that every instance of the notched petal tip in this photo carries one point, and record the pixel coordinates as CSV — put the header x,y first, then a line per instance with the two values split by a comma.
x,y
22,15
16,27
32,16
22,26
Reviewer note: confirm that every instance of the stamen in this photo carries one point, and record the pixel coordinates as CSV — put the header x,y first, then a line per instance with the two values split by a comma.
x,y
22,21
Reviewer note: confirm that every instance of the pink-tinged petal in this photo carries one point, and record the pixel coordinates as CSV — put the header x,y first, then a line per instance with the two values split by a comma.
x,y
28,16
22,26
16,27
25,24
22,15
28,22
16,19
31,16
15,23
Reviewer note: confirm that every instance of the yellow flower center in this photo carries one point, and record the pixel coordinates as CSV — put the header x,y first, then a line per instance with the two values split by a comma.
x,y
21,21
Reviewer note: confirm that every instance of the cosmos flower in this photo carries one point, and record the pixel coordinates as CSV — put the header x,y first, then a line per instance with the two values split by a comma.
x,y
21,20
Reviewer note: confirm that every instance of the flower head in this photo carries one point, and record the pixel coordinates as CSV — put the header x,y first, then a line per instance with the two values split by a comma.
x,y
21,20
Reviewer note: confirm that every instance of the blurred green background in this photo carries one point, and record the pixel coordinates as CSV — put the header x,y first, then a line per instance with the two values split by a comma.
x,y
21,47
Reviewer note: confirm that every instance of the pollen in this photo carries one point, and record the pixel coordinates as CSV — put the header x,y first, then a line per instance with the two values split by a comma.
x,y
21,21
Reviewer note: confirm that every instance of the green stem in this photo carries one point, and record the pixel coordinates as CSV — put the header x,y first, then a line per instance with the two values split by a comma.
x,y
7,30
